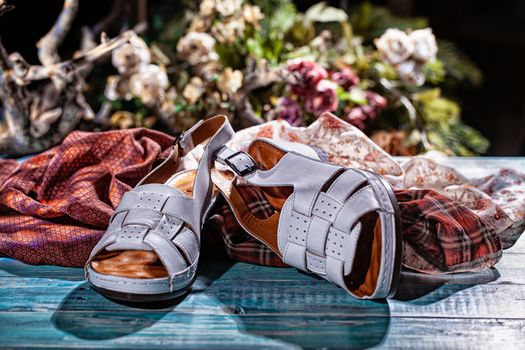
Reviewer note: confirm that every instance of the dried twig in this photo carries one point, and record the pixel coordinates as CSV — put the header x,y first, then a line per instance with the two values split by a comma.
x,y
4,7
256,76
48,45
39,118
411,110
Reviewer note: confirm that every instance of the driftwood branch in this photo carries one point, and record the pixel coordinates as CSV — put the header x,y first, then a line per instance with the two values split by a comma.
x,y
38,116
11,94
49,44
4,7
37,120
255,77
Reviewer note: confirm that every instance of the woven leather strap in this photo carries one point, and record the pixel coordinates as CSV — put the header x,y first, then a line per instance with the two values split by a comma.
x,y
154,216
320,222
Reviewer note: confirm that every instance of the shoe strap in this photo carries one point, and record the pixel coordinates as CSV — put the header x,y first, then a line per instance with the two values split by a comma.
x,y
317,230
216,132
217,127
242,164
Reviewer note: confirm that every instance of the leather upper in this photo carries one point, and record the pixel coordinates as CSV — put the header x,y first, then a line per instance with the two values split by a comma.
x,y
160,218
320,223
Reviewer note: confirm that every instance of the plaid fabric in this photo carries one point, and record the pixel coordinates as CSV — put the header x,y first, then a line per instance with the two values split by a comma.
x,y
447,236
442,235
55,207
223,230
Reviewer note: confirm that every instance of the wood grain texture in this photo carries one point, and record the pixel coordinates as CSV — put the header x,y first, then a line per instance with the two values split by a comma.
x,y
242,306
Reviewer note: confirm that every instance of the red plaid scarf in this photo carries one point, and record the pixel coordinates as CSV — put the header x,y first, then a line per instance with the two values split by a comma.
x,y
54,207
448,236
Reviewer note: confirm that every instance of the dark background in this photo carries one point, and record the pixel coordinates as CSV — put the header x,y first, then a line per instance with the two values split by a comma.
x,y
491,33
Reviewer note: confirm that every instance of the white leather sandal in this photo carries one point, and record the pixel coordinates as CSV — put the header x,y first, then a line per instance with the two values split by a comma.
x,y
339,223
151,247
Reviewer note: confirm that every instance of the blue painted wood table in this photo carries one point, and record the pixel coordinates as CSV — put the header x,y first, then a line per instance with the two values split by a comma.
x,y
240,306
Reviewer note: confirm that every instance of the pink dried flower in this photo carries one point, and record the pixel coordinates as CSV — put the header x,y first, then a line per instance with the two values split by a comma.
x,y
346,78
308,74
324,99
376,102
360,114
357,117
290,110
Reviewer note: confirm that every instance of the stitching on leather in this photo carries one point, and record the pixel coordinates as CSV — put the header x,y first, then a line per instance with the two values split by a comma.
x,y
179,216
377,186
307,234
143,282
352,198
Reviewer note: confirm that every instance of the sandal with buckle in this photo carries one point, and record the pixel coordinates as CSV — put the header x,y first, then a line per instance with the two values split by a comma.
x,y
336,222
151,247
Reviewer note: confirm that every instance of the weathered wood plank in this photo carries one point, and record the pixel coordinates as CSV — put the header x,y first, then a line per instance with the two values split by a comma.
x,y
237,331
262,290
235,305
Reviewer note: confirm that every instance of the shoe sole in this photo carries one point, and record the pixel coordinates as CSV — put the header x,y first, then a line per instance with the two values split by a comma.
x,y
398,235
142,298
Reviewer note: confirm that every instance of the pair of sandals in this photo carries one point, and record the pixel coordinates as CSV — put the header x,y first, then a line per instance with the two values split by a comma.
x,y
339,223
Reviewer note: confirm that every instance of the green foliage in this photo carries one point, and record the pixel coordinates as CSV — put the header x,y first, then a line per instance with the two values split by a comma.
x,y
445,130
281,18
458,66
355,95
323,13
369,21
435,72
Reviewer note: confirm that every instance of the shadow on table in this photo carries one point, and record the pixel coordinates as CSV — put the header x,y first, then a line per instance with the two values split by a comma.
x,y
290,308
87,314
422,289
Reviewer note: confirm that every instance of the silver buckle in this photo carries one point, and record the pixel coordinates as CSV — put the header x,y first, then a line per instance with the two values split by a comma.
x,y
248,168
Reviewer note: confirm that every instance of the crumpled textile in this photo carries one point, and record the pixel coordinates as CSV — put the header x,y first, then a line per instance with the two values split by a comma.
x,y
450,223
439,235
54,207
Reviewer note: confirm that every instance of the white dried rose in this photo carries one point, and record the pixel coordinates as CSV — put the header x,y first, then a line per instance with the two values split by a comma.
x,y
200,24
128,57
117,87
193,90
207,8
425,45
395,46
149,84
230,81
228,7
208,71
167,108
197,48
252,14
409,71
226,32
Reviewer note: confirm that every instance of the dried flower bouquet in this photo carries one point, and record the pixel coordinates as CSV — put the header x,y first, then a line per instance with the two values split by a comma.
x,y
263,60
